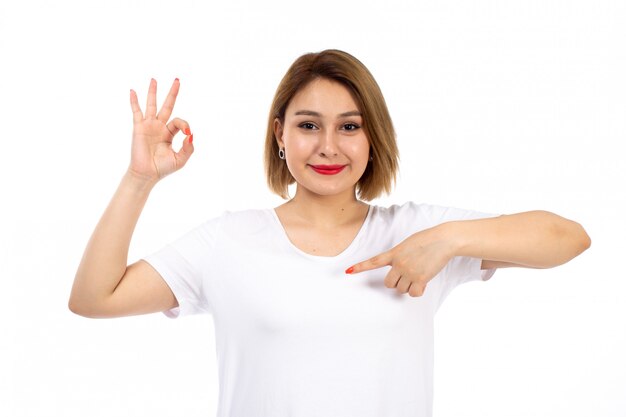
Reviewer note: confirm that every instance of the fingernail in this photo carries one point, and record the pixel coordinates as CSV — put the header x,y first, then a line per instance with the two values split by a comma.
x,y
176,79
350,270
191,139
187,131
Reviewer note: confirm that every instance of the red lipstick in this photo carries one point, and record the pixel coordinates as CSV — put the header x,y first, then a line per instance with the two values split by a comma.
x,y
328,169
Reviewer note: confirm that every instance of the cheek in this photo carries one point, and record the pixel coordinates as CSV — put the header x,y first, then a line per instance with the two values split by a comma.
x,y
293,141
358,150
299,149
298,152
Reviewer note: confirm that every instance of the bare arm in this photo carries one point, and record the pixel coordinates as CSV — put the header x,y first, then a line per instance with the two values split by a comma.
x,y
534,239
104,285
104,261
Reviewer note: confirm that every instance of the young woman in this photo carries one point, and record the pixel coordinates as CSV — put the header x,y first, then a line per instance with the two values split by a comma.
x,y
323,306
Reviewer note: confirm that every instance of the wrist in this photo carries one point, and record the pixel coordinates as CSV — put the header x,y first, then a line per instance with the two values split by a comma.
x,y
454,234
137,182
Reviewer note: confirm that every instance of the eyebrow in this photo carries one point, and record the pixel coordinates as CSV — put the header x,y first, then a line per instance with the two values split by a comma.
x,y
316,114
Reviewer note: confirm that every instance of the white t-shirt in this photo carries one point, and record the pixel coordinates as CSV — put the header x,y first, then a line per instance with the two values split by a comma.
x,y
296,336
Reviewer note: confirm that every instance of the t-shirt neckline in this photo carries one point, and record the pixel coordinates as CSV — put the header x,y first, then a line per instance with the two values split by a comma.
x,y
347,251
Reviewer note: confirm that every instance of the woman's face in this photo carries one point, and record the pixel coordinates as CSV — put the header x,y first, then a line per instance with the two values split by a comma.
x,y
326,148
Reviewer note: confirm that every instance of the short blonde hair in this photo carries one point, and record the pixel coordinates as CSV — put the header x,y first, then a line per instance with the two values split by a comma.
x,y
339,66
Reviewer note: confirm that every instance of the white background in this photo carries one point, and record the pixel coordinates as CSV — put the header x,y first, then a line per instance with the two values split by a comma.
x,y
499,106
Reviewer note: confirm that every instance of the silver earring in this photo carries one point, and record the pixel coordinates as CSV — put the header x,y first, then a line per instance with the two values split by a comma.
x,y
371,158
281,153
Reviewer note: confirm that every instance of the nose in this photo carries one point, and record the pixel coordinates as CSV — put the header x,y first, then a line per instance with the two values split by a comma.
x,y
328,144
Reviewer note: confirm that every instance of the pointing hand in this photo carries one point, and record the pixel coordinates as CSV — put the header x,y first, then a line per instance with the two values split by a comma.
x,y
414,261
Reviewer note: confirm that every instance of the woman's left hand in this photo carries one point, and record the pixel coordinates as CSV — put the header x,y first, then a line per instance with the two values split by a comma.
x,y
414,261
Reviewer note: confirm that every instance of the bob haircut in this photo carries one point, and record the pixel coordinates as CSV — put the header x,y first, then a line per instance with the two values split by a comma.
x,y
380,173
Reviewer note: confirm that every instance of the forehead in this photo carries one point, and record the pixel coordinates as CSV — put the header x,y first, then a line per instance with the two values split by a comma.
x,y
323,96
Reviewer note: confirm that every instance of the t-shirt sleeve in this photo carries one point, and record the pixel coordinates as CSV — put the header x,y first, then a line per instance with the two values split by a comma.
x,y
184,265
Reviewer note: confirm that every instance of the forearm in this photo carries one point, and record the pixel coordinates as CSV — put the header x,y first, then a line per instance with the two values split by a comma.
x,y
536,239
105,258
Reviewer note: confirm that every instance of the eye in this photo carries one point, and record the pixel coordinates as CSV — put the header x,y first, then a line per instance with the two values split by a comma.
x,y
307,126
351,127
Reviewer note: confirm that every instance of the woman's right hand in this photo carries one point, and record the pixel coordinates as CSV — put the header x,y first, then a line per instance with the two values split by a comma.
x,y
152,155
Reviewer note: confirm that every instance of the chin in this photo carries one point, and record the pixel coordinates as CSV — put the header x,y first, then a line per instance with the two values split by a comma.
x,y
328,192
326,187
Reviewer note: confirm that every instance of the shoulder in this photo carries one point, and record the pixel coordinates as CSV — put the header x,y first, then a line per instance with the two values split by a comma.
x,y
407,209
425,214
248,215
241,219
244,221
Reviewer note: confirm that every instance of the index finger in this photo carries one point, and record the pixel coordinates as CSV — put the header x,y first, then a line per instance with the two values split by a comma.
x,y
170,100
134,105
377,261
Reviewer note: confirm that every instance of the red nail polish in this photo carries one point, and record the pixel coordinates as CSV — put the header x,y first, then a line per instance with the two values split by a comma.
x,y
191,139
187,131
350,270
176,79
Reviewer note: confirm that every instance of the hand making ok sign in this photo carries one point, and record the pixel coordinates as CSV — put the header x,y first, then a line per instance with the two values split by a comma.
x,y
152,155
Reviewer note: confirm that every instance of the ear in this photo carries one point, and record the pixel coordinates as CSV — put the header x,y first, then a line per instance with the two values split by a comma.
x,y
278,132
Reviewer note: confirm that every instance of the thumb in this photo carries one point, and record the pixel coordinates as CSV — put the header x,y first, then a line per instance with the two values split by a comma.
x,y
183,155
377,261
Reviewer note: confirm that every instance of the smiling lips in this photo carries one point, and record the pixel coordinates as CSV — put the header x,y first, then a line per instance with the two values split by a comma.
x,y
328,169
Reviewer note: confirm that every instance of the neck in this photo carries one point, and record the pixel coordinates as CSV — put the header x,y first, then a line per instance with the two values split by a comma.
x,y
327,211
